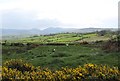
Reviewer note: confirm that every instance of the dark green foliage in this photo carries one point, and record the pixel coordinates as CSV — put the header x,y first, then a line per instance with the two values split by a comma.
x,y
60,54
102,33
112,45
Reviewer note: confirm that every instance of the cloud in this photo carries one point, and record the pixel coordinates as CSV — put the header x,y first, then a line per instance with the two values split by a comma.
x,y
110,22
25,20
62,13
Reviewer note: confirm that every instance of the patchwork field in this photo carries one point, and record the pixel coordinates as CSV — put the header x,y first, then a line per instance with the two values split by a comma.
x,y
60,38
57,50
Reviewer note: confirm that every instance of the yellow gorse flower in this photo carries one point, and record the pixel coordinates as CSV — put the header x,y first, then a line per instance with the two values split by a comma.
x,y
88,71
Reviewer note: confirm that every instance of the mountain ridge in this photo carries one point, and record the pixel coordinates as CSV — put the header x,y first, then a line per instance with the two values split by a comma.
x,y
51,30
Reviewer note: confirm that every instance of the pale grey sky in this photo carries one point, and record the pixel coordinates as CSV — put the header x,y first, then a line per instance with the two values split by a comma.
x,y
26,14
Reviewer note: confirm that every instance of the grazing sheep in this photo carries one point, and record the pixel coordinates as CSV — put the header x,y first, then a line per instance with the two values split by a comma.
x,y
53,50
67,45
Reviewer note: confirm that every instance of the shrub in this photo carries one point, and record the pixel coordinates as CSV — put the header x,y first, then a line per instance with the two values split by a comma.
x,y
87,72
98,41
112,45
84,42
19,65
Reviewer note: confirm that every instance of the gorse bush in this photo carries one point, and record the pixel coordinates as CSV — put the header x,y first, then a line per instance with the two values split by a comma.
x,y
19,65
87,72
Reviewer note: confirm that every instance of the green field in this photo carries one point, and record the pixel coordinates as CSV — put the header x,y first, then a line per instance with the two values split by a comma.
x,y
61,38
63,55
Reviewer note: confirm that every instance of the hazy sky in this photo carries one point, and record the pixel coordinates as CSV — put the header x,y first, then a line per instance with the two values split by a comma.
x,y
27,14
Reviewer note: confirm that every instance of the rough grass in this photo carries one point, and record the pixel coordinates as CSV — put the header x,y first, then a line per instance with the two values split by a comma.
x,y
72,55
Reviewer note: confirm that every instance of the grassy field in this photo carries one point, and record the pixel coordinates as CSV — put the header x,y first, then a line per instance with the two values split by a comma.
x,y
56,56
61,38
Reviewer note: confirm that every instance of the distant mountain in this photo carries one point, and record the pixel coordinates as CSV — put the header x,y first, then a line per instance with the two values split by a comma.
x,y
13,32
51,30
19,31
88,30
56,30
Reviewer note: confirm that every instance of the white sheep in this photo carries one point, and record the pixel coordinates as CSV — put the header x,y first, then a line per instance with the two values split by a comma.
x,y
53,50
67,45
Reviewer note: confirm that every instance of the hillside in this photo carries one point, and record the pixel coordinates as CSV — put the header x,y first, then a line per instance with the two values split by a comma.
x,y
57,38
